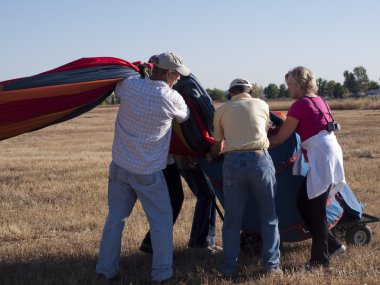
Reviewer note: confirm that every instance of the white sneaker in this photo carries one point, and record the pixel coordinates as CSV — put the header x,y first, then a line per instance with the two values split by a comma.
x,y
339,251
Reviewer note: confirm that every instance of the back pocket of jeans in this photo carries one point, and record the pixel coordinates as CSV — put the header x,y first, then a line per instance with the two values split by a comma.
x,y
113,170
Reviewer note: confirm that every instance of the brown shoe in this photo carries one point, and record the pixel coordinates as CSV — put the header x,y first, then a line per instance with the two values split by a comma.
x,y
274,272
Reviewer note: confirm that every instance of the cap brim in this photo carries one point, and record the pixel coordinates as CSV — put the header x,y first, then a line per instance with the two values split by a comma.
x,y
246,85
183,70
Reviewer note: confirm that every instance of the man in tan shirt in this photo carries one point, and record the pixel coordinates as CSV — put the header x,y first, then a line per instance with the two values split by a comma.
x,y
240,132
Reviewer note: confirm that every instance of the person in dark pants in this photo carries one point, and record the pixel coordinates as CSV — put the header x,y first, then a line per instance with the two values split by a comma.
x,y
203,228
311,118
173,180
313,211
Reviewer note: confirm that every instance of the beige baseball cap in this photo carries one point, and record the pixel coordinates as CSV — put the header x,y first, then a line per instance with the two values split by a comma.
x,y
170,61
240,82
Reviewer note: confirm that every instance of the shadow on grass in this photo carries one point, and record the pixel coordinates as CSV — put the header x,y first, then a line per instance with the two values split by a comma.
x,y
135,269
192,266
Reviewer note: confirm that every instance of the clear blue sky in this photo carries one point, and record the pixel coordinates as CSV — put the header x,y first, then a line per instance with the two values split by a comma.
x,y
218,39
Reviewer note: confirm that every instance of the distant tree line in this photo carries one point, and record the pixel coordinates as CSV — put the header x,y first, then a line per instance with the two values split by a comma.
x,y
112,99
355,83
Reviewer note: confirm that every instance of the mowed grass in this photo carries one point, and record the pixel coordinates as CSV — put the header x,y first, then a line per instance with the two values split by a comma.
x,y
366,103
53,200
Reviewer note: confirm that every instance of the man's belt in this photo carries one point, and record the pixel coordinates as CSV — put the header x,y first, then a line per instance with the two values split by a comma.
x,y
258,151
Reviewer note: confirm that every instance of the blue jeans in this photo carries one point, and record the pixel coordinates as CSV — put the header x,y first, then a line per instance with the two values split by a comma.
x,y
124,188
203,227
244,172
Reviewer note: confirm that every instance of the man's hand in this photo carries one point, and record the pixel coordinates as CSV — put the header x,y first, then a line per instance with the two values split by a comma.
x,y
215,151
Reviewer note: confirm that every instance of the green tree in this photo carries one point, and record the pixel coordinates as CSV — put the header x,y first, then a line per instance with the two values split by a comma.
x,y
321,83
283,91
217,94
356,81
112,99
361,78
330,87
373,85
271,91
350,82
257,91
339,91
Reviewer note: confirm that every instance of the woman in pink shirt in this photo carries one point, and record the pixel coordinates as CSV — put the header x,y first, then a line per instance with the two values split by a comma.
x,y
311,118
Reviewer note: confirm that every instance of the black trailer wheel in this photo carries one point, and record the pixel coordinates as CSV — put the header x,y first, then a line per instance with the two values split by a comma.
x,y
359,235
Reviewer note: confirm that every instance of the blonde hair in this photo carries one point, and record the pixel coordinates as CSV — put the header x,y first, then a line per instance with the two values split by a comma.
x,y
304,78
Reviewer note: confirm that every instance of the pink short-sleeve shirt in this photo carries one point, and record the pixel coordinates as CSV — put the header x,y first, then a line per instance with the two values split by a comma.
x,y
311,121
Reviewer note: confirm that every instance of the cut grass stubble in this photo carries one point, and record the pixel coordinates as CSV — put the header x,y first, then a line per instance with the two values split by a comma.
x,y
53,199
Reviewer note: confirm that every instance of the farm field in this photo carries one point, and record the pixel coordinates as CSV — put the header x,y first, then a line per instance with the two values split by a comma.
x,y
53,200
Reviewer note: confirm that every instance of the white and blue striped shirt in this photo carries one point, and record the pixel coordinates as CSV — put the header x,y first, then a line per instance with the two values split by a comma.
x,y
143,124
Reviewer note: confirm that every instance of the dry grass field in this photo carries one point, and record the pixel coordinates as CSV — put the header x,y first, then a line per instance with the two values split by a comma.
x,y
367,103
53,193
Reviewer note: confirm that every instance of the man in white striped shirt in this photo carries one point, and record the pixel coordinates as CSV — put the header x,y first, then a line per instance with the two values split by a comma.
x,y
139,153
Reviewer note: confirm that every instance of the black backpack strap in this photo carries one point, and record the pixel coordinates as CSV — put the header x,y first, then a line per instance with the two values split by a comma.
x,y
323,114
